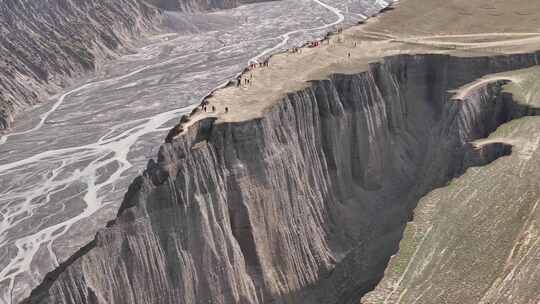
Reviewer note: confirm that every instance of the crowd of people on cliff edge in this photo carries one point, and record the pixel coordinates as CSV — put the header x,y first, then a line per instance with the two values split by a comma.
x,y
246,78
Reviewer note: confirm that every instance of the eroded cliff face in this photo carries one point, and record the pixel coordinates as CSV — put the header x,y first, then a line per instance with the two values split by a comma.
x,y
45,43
303,205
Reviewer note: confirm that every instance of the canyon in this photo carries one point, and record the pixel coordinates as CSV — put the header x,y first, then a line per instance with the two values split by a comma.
x,y
396,162
66,162
269,210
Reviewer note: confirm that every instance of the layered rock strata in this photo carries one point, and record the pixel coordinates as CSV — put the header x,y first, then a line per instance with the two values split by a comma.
x,y
304,204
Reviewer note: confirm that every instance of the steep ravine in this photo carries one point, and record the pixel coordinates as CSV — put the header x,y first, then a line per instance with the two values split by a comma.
x,y
303,205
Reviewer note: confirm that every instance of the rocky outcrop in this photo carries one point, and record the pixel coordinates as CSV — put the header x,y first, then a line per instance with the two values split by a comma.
x,y
303,205
45,43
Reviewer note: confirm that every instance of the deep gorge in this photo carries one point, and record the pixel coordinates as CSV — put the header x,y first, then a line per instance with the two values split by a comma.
x,y
303,205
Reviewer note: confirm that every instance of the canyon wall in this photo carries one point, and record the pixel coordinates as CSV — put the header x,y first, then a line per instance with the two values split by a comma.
x,y
476,240
303,205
